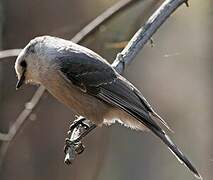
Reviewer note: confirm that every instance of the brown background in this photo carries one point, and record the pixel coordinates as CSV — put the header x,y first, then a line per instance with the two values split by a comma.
x,y
175,76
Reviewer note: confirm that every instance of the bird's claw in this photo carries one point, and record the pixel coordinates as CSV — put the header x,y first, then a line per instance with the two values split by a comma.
x,y
79,148
73,145
77,122
76,145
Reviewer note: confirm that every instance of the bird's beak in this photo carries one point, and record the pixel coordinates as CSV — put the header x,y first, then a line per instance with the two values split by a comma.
x,y
20,81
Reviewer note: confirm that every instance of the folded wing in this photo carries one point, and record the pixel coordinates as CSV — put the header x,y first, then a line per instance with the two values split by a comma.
x,y
94,75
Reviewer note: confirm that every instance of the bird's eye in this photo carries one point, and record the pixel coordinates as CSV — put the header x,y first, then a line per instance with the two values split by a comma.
x,y
23,64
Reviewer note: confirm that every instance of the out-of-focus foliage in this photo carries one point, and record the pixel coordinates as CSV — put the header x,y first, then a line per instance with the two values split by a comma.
x,y
175,76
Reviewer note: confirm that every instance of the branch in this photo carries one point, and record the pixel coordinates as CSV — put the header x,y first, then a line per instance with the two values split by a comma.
x,y
9,53
145,33
124,58
109,13
4,136
20,121
106,15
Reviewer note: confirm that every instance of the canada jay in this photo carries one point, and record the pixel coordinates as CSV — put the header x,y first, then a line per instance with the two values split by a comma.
x,y
88,84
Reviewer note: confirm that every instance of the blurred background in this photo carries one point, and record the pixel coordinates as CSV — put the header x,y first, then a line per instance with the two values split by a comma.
x,y
175,76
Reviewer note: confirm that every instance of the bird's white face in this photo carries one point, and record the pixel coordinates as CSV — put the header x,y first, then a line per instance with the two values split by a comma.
x,y
21,69
27,67
35,61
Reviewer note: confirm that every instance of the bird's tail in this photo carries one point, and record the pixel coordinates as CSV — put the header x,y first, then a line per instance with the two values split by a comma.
x,y
176,151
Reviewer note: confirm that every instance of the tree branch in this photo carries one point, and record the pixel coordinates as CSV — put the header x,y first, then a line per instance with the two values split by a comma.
x,y
4,137
109,13
145,33
9,53
106,15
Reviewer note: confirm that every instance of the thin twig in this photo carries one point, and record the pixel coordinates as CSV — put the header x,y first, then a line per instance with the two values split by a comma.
x,y
4,137
19,122
40,91
5,54
25,113
9,53
109,13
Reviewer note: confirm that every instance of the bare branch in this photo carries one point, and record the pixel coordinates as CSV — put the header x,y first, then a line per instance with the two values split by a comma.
x,y
4,137
109,13
9,53
7,138
145,33
16,126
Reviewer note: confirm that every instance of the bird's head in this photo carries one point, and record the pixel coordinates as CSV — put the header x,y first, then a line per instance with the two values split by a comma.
x,y
34,61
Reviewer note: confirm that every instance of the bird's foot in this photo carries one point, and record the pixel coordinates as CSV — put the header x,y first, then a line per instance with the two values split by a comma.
x,y
73,145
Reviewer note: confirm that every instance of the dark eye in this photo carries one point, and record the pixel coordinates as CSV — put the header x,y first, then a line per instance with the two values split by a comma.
x,y
23,64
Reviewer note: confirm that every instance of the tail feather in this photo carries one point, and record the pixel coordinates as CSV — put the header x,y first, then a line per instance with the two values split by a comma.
x,y
121,95
176,151
161,120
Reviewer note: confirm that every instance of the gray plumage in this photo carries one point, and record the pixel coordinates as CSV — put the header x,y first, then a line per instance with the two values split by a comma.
x,y
86,83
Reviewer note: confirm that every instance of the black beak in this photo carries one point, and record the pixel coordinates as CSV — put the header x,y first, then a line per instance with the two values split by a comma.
x,y
20,81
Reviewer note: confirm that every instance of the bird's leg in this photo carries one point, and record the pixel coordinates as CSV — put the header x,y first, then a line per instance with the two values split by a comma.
x,y
73,145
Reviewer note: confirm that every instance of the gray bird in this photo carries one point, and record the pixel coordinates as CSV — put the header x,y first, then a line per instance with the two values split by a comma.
x,y
89,86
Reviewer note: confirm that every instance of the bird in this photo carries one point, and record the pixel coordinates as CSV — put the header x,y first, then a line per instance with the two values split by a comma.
x,y
87,84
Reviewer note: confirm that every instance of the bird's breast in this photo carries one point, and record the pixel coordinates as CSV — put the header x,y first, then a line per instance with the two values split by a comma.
x,y
80,102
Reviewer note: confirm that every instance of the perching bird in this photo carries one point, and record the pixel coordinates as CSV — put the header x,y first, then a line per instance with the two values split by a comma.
x,y
88,84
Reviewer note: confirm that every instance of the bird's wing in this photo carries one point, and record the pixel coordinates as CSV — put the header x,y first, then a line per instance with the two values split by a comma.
x,y
84,67
100,80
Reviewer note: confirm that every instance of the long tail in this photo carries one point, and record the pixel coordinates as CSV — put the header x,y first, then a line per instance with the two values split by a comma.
x,y
122,94
176,151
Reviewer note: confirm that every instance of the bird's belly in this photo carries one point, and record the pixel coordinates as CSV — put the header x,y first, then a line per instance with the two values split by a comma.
x,y
78,101
88,106
93,109
116,114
